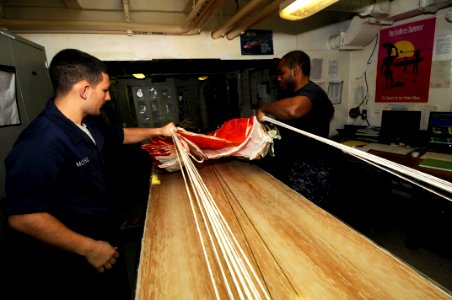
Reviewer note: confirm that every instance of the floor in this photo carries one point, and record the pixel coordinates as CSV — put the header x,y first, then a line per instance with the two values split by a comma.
x,y
408,221
435,266
426,245
132,244
132,234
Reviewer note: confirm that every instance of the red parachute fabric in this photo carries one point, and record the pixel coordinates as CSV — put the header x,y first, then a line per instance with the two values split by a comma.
x,y
245,138
231,133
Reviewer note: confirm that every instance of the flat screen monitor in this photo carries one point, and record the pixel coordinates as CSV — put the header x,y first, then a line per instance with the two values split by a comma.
x,y
439,132
400,127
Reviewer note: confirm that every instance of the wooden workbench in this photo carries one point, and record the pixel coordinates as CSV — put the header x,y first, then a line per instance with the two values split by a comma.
x,y
299,250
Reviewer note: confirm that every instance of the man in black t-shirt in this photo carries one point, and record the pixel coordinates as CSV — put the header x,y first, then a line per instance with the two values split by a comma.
x,y
301,162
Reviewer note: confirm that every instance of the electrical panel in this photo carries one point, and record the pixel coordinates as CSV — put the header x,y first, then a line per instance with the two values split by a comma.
x,y
156,104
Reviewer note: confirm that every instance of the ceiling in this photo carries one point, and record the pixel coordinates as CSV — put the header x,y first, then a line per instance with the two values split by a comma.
x,y
221,18
162,17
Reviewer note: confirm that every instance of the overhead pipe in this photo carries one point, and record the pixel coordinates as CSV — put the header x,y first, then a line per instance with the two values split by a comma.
x,y
208,12
73,4
269,9
244,12
125,4
197,9
53,26
201,11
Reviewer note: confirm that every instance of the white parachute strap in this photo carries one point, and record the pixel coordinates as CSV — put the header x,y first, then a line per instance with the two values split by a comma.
x,y
411,175
222,240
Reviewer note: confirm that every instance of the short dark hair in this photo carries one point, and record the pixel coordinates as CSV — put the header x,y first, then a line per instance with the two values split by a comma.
x,y
300,58
70,66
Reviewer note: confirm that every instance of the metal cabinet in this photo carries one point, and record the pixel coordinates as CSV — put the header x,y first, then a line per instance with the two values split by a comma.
x,y
33,88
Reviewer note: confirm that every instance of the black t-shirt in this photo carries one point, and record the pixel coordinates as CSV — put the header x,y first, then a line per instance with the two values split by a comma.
x,y
295,146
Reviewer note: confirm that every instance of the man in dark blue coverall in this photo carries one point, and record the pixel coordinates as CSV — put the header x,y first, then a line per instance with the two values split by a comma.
x,y
63,226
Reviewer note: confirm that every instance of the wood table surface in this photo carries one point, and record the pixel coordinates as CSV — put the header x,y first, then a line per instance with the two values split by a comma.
x,y
299,250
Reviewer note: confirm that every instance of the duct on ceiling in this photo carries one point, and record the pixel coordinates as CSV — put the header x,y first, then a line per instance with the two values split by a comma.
x,y
358,35
365,26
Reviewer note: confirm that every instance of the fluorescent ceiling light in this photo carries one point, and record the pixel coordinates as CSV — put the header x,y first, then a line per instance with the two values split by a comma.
x,y
139,76
299,9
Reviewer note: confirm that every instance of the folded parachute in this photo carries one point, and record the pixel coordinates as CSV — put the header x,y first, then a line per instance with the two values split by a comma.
x,y
244,138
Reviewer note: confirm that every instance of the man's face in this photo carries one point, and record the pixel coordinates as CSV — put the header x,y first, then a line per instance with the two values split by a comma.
x,y
286,77
98,95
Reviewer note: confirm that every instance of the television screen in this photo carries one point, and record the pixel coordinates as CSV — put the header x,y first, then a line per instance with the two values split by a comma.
x,y
440,131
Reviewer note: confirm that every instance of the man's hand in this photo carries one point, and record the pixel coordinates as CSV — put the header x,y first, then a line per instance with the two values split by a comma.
x,y
259,114
102,256
168,130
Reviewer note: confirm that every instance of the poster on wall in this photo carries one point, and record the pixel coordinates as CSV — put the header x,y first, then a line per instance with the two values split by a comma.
x,y
257,42
9,112
404,62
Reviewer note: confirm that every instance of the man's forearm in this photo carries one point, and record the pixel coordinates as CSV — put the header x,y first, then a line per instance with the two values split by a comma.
x,y
46,228
289,108
136,135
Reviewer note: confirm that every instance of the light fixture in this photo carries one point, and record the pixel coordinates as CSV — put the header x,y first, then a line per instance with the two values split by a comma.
x,y
203,77
139,75
299,9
